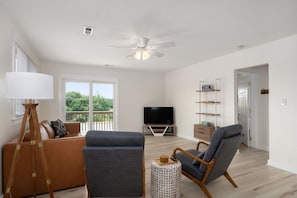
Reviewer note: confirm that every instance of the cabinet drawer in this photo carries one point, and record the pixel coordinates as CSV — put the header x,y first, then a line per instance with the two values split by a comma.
x,y
203,132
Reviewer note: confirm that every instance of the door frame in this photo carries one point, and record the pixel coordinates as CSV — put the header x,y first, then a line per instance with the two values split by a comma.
x,y
259,104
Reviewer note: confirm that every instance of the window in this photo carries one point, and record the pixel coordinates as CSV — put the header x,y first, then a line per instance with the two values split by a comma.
x,y
91,104
22,63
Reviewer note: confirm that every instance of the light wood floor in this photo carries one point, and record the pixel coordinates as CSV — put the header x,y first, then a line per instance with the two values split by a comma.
x,y
248,169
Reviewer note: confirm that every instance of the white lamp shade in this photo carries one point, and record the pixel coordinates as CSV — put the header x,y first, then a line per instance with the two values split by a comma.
x,y
28,85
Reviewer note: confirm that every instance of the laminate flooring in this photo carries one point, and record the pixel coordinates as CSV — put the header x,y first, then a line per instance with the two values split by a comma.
x,y
248,169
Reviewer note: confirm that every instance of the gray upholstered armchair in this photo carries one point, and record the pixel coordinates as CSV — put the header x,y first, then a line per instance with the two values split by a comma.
x,y
114,163
204,167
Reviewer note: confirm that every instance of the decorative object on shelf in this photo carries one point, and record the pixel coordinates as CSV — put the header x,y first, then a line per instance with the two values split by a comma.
x,y
204,123
207,87
29,86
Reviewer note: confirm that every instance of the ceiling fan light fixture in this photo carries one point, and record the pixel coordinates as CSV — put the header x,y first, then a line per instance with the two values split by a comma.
x,y
145,55
142,55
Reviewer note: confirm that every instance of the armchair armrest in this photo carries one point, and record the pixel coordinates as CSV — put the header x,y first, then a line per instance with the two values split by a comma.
x,y
190,155
208,165
199,143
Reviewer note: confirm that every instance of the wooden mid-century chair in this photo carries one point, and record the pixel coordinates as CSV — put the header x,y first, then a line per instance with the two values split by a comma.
x,y
204,167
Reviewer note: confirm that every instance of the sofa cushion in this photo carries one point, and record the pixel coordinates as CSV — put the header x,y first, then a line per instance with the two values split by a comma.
x,y
49,129
199,155
59,128
187,163
43,133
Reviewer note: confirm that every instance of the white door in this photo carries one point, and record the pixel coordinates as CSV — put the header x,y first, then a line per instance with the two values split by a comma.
x,y
244,110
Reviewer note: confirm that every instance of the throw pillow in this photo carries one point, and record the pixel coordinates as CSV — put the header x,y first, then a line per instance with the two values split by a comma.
x,y
214,143
59,128
199,155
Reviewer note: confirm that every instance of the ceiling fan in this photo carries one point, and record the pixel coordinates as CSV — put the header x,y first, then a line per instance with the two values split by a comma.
x,y
143,49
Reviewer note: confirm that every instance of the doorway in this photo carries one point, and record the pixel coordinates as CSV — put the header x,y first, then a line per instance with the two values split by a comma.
x,y
252,106
244,106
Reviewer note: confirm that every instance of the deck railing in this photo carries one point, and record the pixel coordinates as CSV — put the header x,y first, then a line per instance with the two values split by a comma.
x,y
102,120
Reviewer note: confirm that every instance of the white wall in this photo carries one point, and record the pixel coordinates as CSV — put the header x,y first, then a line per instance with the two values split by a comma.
x,y
8,34
135,90
281,57
260,110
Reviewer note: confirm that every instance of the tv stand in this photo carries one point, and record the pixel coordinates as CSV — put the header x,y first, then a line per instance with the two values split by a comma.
x,y
159,129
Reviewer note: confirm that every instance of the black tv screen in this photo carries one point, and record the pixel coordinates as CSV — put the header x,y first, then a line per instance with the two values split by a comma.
x,y
158,115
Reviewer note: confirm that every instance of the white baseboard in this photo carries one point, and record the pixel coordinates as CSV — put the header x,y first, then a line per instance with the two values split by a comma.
x,y
262,147
282,166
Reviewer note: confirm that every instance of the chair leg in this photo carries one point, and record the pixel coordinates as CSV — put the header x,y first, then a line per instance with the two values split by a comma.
x,y
204,189
226,174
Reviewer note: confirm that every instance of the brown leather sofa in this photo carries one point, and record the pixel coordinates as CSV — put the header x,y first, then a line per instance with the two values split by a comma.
x,y
64,158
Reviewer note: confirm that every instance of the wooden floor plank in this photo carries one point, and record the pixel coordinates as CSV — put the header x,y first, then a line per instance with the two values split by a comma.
x,y
248,169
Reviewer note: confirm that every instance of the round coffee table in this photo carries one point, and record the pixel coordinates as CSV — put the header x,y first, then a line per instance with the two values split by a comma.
x,y
165,180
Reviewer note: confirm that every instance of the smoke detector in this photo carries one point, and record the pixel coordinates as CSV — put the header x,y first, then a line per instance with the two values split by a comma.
x,y
88,30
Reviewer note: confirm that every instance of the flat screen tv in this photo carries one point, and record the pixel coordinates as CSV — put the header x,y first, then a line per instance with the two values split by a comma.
x,y
158,115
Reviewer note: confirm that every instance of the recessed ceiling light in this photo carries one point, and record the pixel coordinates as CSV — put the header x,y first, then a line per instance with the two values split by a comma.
x,y
88,30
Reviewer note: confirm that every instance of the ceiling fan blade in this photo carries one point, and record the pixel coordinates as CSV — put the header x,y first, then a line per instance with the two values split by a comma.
x,y
131,55
125,47
168,44
155,53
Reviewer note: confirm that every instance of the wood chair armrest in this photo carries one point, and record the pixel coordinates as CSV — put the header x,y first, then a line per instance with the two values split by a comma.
x,y
208,165
201,142
190,155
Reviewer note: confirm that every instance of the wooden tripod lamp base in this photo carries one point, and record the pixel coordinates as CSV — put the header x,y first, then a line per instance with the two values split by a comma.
x,y
37,145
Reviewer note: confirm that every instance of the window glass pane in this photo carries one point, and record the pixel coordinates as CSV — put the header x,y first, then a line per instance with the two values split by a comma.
x,y
22,63
102,106
95,111
77,103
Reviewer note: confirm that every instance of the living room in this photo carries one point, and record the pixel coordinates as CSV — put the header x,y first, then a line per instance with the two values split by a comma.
x,y
174,87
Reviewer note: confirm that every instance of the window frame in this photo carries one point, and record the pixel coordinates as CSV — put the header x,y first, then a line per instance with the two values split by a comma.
x,y
27,65
88,79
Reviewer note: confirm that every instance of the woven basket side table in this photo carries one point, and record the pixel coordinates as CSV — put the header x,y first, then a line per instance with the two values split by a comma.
x,y
165,180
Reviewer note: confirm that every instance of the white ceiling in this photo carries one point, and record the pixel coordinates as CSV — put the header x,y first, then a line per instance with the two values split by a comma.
x,y
201,29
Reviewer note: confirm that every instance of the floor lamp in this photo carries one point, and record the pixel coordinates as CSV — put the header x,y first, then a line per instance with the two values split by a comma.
x,y
30,87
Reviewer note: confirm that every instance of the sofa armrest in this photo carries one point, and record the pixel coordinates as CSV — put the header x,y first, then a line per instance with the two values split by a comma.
x,y
72,127
64,160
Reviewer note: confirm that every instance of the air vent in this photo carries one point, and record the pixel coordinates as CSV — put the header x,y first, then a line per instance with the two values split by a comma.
x,y
88,30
